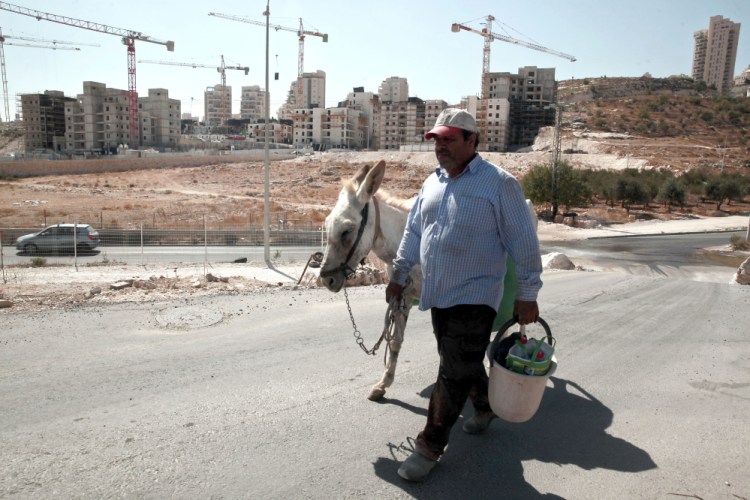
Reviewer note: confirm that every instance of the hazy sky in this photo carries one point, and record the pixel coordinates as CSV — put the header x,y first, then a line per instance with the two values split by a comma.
x,y
368,42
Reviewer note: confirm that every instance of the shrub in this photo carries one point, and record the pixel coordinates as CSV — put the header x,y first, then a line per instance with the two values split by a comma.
x,y
39,261
739,243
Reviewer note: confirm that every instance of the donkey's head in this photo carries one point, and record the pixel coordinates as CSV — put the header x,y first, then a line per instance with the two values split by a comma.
x,y
350,226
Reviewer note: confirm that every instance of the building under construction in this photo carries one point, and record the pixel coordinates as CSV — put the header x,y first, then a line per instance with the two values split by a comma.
x,y
44,120
518,105
98,121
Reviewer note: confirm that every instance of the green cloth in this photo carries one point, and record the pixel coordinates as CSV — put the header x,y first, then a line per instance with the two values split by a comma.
x,y
510,287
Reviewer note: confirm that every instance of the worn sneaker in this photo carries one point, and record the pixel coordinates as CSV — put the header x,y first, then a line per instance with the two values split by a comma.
x,y
478,423
416,467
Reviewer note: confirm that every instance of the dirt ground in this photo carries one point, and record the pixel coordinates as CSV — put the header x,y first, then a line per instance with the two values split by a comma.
x,y
303,190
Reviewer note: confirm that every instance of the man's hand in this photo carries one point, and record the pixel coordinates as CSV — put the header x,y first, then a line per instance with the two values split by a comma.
x,y
394,290
526,310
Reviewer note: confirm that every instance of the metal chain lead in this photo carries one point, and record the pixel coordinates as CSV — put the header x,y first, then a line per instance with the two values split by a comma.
x,y
357,334
389,329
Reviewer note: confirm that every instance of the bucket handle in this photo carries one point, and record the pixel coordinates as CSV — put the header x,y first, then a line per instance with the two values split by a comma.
x,y
512,321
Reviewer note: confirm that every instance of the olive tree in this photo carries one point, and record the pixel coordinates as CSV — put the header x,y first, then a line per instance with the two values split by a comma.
x,y
723,188
629,191
672,192
568,189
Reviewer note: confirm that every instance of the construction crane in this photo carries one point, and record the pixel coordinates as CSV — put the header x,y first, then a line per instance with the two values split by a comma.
x,y
221,69
48,44
489,37
44,40
128,38
301,33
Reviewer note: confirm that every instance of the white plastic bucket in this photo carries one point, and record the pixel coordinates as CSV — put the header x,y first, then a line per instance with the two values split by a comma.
x,y
515,397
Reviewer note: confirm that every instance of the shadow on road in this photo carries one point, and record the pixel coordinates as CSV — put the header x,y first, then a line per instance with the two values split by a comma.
x,y
569,428
397,402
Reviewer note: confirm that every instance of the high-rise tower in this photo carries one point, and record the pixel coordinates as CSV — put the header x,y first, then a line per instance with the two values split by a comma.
x,y
716,52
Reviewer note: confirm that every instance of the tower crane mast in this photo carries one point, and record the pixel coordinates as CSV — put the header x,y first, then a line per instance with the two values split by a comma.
x,y
301,33
221,69
128,39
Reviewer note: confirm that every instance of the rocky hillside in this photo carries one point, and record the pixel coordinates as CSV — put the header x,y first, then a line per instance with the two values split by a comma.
x,y
666,122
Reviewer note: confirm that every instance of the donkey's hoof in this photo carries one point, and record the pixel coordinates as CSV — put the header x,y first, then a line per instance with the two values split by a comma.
x,y
376,394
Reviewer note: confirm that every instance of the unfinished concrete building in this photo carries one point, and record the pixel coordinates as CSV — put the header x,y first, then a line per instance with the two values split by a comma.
x,y
253,103
217,105
336,128
518,106
44,120
391,130
159,119
98,120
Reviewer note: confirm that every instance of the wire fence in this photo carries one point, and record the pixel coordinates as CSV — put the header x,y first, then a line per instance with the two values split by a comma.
x,y
190,243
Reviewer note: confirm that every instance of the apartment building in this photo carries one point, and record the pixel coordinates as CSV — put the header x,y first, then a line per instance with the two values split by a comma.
x,y
337,128
401,123
432,108
369,105
394,89
44,120
217,105
159,119
494,135
98,119
253,103
715,53
302,127
307,92
279,133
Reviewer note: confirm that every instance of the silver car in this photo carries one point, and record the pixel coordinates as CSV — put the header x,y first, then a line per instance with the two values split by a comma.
x,y
59,239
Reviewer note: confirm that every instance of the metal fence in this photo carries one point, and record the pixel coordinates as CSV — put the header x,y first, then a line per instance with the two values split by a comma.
x,y
186,244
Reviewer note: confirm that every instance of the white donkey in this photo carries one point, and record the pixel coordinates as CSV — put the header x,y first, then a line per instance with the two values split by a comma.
x,y
363,220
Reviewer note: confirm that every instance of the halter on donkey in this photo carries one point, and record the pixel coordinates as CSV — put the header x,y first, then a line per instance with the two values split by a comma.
x,y
352,234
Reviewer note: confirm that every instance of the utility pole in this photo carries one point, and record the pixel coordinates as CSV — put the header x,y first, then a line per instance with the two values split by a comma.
x,y
266,160
556,161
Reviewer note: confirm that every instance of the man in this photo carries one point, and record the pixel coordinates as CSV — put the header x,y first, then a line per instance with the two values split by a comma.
x,y
469,216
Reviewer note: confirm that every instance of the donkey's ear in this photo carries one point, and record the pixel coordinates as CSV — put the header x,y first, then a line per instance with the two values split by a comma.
x,y
359,175
371,182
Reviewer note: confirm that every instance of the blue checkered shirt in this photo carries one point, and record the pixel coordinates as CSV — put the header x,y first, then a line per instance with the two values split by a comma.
x,y
461,230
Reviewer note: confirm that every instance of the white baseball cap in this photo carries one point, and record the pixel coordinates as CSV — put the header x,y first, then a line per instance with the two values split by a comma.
x,y
451,122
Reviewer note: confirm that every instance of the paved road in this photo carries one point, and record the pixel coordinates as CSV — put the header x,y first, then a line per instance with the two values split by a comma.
x,y
679,256
166,254
264,396
662,254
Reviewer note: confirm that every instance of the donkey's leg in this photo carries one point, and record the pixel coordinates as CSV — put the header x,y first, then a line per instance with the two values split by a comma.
x,y
394,347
